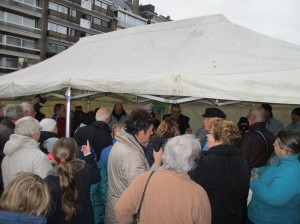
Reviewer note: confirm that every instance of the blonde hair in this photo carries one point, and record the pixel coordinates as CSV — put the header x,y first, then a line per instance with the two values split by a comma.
x,y
168,128
225,131
26,193
65,152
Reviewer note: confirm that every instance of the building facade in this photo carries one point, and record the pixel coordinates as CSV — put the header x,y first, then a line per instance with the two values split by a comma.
x,y
34,30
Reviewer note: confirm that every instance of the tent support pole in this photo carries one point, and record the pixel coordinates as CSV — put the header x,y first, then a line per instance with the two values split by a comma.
x,y
68,112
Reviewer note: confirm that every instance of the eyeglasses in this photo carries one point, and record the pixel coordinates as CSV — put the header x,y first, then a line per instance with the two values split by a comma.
x,y
250,115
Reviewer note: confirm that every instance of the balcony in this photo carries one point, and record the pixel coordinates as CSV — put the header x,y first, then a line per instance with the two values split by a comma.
x,y
101,28
15,28
64,16
19,6
61,36
19,49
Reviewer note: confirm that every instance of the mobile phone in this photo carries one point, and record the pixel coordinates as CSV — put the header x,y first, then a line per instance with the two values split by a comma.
x,y
158,142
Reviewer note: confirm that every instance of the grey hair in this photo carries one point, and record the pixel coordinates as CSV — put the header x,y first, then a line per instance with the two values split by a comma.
x,y
259,113
103,114
26,106
180,153
27,126
13,111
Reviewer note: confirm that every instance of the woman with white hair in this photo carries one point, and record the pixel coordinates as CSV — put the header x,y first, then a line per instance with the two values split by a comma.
x,y
23,153
171,196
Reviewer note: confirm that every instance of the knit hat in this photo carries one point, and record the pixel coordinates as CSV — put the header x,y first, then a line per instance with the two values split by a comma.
x,y
49,144
296,111
47,124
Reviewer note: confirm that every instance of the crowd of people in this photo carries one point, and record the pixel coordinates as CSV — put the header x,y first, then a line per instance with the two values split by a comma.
x,y
128,168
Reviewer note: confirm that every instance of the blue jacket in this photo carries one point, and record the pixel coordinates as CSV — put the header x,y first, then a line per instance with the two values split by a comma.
x,y
105,154
7,217
276,192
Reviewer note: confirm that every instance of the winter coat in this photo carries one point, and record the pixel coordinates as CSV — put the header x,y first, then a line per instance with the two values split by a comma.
x,y
23,155
7,217
253,146
98,134
7,128
170,198
276,192
126,161
88,176
224,173
122,118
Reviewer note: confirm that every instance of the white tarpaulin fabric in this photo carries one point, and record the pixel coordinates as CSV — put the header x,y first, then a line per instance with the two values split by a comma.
x,y
207,57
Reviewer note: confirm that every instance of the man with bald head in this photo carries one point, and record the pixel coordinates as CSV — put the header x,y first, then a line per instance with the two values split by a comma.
x,y
118,114
98,133
257,144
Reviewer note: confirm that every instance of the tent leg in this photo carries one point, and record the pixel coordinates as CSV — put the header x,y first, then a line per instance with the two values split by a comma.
x,y
68,112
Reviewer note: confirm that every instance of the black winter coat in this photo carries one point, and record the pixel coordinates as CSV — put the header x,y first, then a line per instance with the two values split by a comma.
x,y
44,136
89,175
98,134
225,175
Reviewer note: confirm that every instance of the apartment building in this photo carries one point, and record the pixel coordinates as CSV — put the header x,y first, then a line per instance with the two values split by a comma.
x,y
34,30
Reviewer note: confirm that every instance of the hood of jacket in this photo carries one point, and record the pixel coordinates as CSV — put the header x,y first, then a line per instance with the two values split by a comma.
x,y
129,140
18,141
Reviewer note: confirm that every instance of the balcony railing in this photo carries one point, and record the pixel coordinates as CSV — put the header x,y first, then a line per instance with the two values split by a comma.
x,y
20,27
19,49
101,28
23,6
64,16
61,36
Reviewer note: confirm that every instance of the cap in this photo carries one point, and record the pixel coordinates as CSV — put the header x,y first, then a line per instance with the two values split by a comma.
x,y
149,108
47,124
296,111
267,107
214,112
49,144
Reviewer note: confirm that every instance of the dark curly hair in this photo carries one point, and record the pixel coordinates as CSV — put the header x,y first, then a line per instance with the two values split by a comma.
x,y
139,120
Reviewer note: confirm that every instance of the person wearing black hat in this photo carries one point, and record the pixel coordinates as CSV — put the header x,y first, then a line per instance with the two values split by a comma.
x,y
272,124
295,117
211,114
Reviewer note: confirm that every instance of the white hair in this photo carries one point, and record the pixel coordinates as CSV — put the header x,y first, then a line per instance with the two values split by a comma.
x,y
27,126
181,152
103,114
26,106
13,111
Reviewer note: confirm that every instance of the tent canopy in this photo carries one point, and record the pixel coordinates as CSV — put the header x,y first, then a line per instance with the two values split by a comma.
x,y
205,57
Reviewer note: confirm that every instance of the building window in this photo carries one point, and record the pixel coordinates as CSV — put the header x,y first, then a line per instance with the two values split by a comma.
x,y
16,41
72,32
97,21
9,62
72,12
125,18
28,2
55,48
57,28
20,20
58,8
100,4
104,23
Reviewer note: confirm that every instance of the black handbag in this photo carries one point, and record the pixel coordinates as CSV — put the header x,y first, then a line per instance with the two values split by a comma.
x,y
136,216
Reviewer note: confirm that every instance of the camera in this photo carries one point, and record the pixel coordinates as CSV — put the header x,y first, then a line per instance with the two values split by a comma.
x,y
42,100
158,142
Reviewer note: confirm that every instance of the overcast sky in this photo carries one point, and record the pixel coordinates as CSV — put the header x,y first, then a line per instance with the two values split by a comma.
x,y
275,18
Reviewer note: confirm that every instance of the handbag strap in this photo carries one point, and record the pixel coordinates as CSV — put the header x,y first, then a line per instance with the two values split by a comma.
x,y
138,212
267,155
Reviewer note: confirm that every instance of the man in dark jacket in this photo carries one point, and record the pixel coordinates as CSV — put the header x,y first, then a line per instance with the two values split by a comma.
x,y
257,144
11,113
182,120
98,134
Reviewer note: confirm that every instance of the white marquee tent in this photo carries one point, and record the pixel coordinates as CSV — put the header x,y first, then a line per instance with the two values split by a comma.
x,y
200,58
